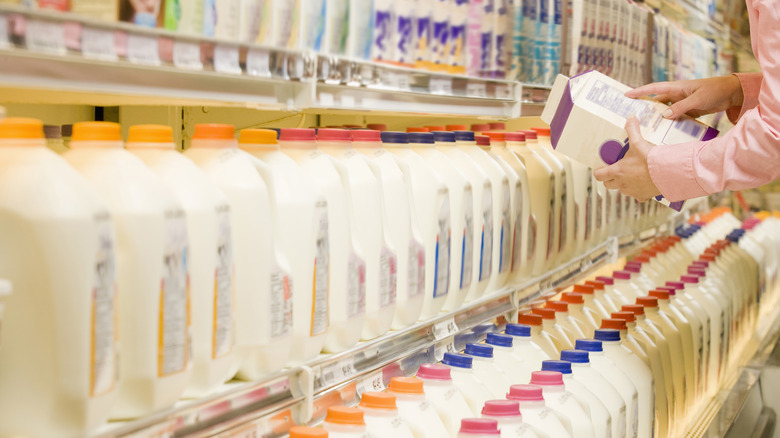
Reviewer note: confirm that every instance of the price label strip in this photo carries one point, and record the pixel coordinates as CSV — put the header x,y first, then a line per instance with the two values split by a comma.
x,y
226,59
476,89
258,63
143,49
186,54
445,329
45,36
98,44
4,42
340,371
440,85
445,346
503,91
373,382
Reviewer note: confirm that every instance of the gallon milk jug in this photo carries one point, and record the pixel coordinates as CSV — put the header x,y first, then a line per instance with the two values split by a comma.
x,y
302,219
401,223
482,223
604,293
347,301
596,410
538,335
211,254
152,265
307,432
344,422
381,416
61,259
501,240
445,397
524,347
510,420
565,320
432,202
263,290
514,365
586,318
418,413
563,402
474,390
487,369
461,214
479,428
365,191
560,335
700,328
535,413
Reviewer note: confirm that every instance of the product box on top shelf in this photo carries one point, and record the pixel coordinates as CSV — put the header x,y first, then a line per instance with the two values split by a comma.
x,y
587,115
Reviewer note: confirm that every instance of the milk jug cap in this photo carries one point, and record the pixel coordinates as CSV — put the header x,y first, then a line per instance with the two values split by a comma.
x,y
501,408
499,340
606,335
525,393
432,371
21,128
575,356
479,426
457,360
588,345
518,329
479,350
560,366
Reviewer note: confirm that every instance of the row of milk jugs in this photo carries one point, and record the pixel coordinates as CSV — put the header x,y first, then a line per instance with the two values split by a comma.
x,y
224,262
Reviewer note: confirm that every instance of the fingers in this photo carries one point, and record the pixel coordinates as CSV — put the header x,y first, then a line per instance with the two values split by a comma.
x,y
650,89
606,173
681,107
634,133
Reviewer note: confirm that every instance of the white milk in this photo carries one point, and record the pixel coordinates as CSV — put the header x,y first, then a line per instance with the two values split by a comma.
x,y
487,369
366,192
513,365
561,336
381,416
402,224
302,218
414,408
58,255
347,299
525,348
603,288
5,290
625,291
535,412
152,265
262,283
510,420
586,318
565,320
538,335
345,422
474,390
211,256
444,395
576,420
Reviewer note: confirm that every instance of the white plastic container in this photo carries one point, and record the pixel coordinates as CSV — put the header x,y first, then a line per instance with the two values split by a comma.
x,y
538,335
479,428
535,412
524,347
211,257
486,368
482,223
344,422
402,224
444,395
308,432
304,239
560,335
576,420
513,365
366,193
347,299
510,420
473,389
432,202
461,214
413,407
263,289
58,255
586,318
152,264
381,416
565,320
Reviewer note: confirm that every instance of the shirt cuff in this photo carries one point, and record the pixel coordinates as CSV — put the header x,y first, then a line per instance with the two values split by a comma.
x,y
671,169
751,85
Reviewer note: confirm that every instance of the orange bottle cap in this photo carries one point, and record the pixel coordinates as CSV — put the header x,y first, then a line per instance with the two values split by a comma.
x,y
457,128
626,316
257,136
213,131
150,134
558,306
345,415
307,432
529,319
542,131
612,323
545,313
96,131
585,289
377,400
406,385
496,136
21,127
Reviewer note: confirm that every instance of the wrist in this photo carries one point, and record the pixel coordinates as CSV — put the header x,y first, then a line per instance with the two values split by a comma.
x,y
737,95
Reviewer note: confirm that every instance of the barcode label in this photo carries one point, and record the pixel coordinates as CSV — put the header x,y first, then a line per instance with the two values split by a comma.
x,y
226,59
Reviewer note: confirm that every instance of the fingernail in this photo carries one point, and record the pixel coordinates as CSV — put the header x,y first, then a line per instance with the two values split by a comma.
x,y
668,113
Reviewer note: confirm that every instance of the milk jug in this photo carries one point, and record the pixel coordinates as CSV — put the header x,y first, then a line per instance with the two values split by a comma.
x,y
445,397
487,369
432,201
462,217
344,422
605,292
566,321
366,193
535,413
347,276
58,255
538,335
700,327
513,365
576,420
478,428
302,218
501,239
5,291
482,222
474,390
381,416
586,318
510,420
262,283
524,347
560,335
152,265
401,223
211,257
597,303
418,413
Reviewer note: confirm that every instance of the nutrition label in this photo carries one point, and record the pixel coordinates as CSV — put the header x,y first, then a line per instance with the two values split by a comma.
x,y
388,274
319,311
103,372
441,282
173,354
504,262
416,269
356,284
517,232
222,336
467,252
614,100
280,310
486,241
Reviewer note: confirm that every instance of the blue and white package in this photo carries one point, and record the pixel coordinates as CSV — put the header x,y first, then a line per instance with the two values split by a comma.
x,y
486,41
502,39
404,33
441,34
361,28
424,34
382,47
459,10
530,23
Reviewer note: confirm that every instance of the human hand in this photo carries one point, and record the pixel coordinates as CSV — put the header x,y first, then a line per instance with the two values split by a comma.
x,y
630,175
694,97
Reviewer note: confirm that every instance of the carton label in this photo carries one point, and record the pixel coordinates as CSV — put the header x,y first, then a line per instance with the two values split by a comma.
x,y
441,282
356,286
486,239
174,327
517,232
222,334
388,273
104,334
321,283
467,251
280,310
505,253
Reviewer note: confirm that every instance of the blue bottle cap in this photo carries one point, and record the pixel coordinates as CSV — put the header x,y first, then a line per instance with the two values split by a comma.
x,y
457,360
394,137
588,345
444,136
499,340
575,356
561,366
421,137
518,330
479,350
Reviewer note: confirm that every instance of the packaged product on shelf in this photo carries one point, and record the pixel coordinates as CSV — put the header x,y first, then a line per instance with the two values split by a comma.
x,y
502,39
458,29
336,27
360,36
249,20
185,17
61,259
313,15
404,33
211,254
487,36
415,408
440,44
588,113
474,52
535,412
530,24
382,48
423,25
101,10
381,416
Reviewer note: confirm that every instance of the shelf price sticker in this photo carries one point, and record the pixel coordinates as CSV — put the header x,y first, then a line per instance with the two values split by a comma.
x,y
440,85
339,371
445,346
476,89
98,44
186,54
143,49
258,63
445,329
45,36
4,42
226,59
373,382
503,91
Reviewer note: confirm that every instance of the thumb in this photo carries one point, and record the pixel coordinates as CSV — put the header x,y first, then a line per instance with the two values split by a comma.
x,y
681,107
633,130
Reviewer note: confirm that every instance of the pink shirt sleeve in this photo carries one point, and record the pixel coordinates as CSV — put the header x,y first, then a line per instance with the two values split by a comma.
x,y
751,84
748,155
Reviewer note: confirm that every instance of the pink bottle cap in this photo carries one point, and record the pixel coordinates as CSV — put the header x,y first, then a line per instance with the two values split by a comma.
x,y
434,371
366,135
622,275
479,426
501,408
327,134
697,271
643,258
573,298
672,291
606,280
659,293
515,136
637,309
482,140
525,393
377,126
529,134
701,263
547,378
480,127
297,134
648,301
689,279
677,285
634,268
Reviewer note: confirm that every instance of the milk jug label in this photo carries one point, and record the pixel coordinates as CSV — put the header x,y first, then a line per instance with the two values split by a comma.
x,y
486,240
562,225
388,275
467,252
319,309
174,342
517,241
551,220
531,238
506,223
416,269
589,208
441,282
104,334
222,335
356,284
280,310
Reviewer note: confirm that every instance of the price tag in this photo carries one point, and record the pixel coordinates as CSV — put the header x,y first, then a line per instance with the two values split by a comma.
x,y
440,85
326,100
445,329
340,371
4,31
98,44
143,49
374,382
226,59
186,54
403,81
476,89
613,248
388,79
45,36
445,346
258,63
503,91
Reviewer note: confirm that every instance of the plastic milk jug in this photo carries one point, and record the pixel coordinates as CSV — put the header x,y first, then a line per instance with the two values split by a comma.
x,y
414,408
535,412
381,416
444,395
